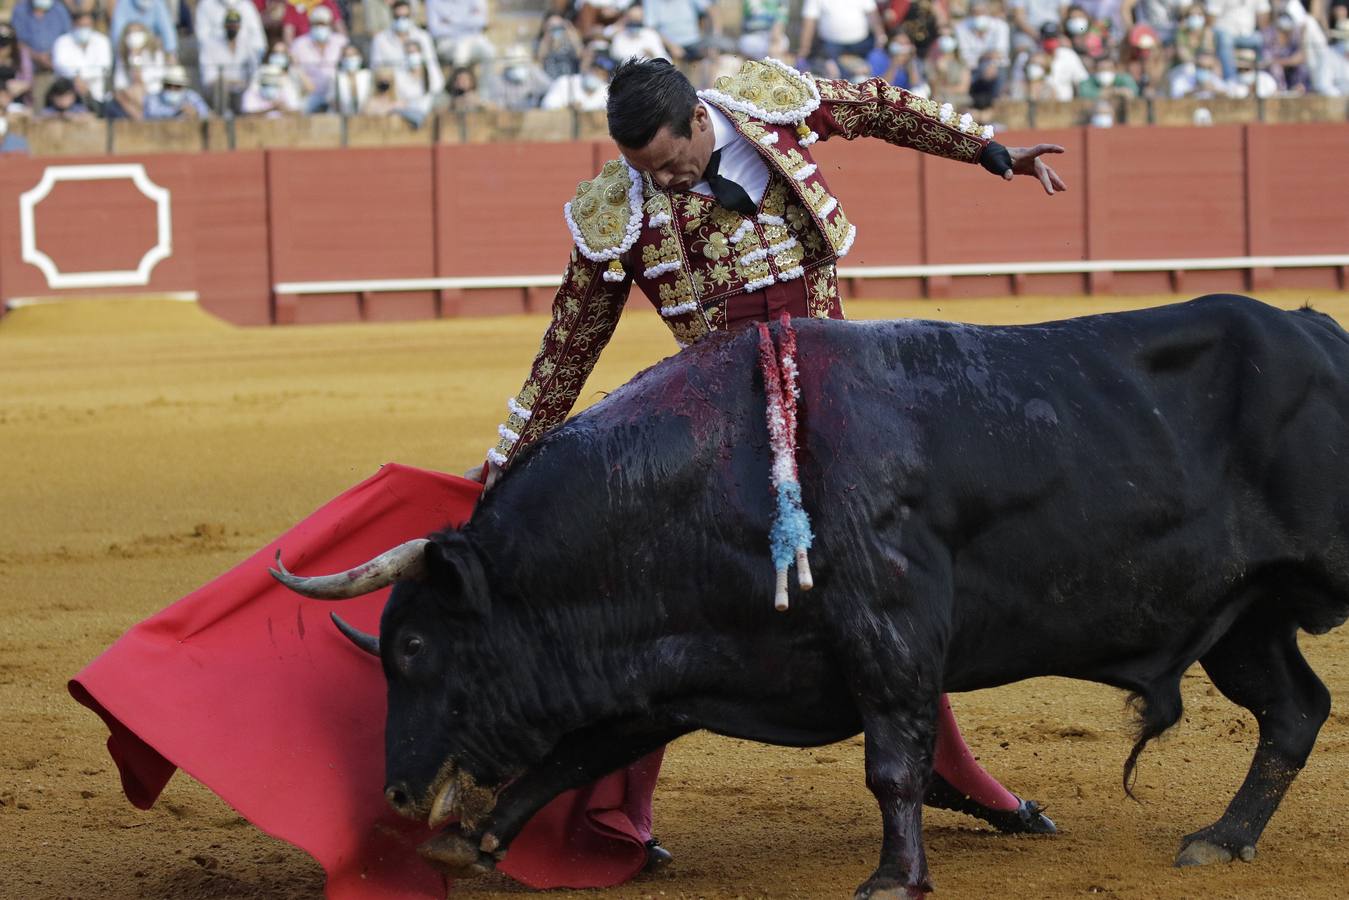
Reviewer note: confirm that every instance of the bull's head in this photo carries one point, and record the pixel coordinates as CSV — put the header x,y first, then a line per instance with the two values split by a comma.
x,y
444,752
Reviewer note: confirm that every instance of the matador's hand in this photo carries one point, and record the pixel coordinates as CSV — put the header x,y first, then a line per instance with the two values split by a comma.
x,y
1027,161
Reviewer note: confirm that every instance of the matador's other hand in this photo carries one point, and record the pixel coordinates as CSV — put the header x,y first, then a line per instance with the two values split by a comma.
x,y
1027,161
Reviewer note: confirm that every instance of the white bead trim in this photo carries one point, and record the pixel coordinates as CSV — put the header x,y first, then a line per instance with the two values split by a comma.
x,y
790,117
611,275
946,113
661,268
791,273
829,206
758,283
518,410
633,228
988,132
769,139
687,306
507,435
847,242
754,256
809,139
742,232
805,172
658,220
496,457
766,219
784,245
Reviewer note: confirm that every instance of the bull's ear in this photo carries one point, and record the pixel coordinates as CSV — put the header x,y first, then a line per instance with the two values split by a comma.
x,y
453,566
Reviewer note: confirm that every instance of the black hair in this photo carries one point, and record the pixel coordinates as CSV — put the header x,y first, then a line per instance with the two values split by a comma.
x,y
646,94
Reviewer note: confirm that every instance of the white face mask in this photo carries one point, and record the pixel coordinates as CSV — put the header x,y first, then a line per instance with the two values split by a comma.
x,y
1105,77
136,39
351,63
321,33
414,60
1194,22
42,4
1247,77
81,34
172,96
1102,120
981,23
1077,26
278,59
402,24
947,43
1035,71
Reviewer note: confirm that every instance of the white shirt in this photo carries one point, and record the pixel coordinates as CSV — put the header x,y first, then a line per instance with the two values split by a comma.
x,y
209,23
740,162
386,51
644,43
1237,17
90,63
571,91
841,21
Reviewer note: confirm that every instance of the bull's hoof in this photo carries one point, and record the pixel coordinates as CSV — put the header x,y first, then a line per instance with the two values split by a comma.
x,y
456,855
1201,852
890,889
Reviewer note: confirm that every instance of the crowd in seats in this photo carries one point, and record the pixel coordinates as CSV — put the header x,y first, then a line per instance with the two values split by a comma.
x,y
190,59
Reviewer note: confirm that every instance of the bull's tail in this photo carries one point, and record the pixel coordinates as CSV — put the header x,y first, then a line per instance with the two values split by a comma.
x,y
1158,708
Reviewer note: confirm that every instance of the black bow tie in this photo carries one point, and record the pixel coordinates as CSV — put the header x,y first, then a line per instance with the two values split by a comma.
x,y
729,194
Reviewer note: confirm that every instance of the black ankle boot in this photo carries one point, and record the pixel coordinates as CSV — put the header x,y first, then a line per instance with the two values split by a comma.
x,y
657,857
1027,818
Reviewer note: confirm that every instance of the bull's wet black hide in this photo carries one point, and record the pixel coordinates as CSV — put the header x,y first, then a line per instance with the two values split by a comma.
x,y
1108,498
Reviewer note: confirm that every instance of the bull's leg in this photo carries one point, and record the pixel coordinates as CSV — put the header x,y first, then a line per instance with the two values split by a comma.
x,y
899,764
1258,665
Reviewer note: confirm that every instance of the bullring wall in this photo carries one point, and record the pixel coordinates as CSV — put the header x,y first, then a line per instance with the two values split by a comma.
x,y
278,236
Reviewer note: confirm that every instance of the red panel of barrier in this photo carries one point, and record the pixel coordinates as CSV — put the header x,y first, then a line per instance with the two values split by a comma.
x,y
499,206
1162,193
973,217
1299,189
233,260
350,214
877,186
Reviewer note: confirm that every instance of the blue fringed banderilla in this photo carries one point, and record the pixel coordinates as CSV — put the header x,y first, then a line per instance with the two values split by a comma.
x,y
791,536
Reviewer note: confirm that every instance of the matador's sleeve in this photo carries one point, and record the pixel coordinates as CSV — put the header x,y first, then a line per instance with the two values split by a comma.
x,y
585,313
876,109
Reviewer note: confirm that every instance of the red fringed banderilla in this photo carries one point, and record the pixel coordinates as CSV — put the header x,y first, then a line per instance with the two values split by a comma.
x,y
791,536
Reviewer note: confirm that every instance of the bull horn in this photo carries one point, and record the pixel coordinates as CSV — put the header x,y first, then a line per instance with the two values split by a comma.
x,y
404,561
367,642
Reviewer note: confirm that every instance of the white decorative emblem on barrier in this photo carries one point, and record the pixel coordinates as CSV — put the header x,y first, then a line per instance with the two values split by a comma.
x,y
162,249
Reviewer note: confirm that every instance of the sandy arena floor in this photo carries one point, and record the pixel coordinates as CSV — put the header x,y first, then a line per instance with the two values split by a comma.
x,y
148,447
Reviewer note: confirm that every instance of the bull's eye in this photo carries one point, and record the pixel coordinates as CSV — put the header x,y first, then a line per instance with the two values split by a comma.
x,y
412,646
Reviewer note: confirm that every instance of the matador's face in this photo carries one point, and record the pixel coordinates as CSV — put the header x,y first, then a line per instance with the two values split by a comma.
x,y
676,163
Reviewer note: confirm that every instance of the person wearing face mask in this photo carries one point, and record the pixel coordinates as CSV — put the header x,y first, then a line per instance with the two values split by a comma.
x,y
559,48
587,92
1034,83
388,48
85,57
1194,35
37,24
462,88
228,62
947,74
154,15
763,29
1065,70
351,85
1237,24
981,35
1108,81
316,54
15,62
175,100
1201,79
298,17
458,28
904,70
209,25
413,85
515,82
9,141
631,38
270,94
1286,54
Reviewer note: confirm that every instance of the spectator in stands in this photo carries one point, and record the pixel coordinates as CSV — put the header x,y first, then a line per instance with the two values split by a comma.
x,y
986,81
63,102
1286,54
559,49
1237,23
209,27
1194,36
383,100
1252,79
279,57
462,87
586,92
832,28
459,29
680,24
1066,69
763,29
1163,16
16,64
1313,40
316,55
1201,79
228,62
946,73
175,100
1102,115
154,15
631,37
378,15
1089,40
981,35
85,57
352,85
1027,17
138,71
903,70
9,141
298,17
1337,66
1144,58
593,16
1108,82
414,86
388,49
37,24
271,93
921,20
516,82
1032,83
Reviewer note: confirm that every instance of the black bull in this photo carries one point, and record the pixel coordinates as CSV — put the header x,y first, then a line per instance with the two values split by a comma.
x,y
1108,498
